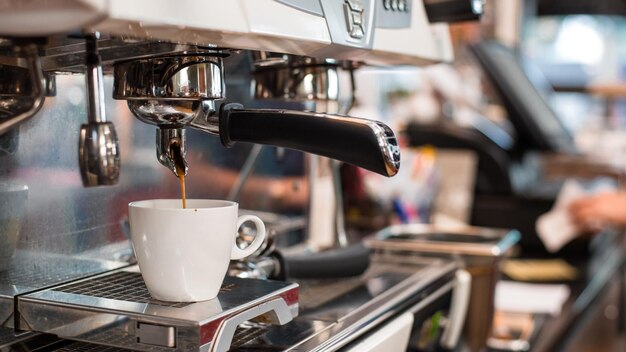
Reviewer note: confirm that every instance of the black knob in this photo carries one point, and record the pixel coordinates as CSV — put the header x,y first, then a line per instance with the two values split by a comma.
x,y
453,10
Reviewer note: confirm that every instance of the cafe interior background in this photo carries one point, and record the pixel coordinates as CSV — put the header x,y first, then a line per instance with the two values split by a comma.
x,y
458,251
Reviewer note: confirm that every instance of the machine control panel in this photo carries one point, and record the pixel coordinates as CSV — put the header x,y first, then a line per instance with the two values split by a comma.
x,y
353,22
396,5
350,22
393,13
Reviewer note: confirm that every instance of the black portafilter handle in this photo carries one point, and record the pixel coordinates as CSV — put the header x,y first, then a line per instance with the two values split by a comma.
x,y
369,144
335,263
451,11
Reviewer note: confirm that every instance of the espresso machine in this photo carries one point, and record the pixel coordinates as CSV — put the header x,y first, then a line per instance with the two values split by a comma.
x,y
68,271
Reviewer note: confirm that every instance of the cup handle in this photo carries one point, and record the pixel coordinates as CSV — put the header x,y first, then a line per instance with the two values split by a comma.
x,y
238,253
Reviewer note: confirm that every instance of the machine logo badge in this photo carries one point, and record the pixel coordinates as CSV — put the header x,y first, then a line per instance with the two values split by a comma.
x,y
355,18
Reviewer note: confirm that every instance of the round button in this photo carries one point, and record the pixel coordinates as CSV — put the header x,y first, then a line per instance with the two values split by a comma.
x,y
387,4
402,5
394,5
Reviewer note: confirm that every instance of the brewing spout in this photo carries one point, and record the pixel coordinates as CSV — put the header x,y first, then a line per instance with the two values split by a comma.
x,y
171,151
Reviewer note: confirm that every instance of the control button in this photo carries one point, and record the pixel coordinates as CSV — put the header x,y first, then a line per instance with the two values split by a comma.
x,y
402,5
354,5
387,4
355,18
394,5
357,32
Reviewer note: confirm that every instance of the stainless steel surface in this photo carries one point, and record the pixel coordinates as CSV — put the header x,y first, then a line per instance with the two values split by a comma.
x,y
478,249
66,54
449,240
54,230
335,313
110,309
98,151
385,290
68,229
249,336
96,111
13,198
170,146
158,335
21,97
389,146
246,332
329,86
172,92
180,77
99,154
32,270
9,337
205,118
340,217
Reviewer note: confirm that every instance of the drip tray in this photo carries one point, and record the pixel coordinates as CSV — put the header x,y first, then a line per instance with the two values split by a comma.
x,y
115,309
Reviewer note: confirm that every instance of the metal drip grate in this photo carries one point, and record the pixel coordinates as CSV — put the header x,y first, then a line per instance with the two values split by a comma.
x,y
7,335
29,271
86,347
123,286
247,332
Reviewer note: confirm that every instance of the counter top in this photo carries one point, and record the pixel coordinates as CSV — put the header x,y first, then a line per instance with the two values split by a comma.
x,y
606,264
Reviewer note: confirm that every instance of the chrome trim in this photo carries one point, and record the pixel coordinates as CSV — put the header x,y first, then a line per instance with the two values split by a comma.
x,y
389,146
31,104
494,242
376,311
110,316
177,77
98,152
166,139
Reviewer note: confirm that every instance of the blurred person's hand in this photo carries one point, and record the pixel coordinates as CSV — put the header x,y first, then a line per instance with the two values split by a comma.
x,y
592,213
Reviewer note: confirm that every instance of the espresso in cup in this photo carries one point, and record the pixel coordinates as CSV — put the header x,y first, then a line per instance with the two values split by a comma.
x,y
183,253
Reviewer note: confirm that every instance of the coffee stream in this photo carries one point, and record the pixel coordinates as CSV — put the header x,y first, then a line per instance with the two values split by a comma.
x,y
179,163
181,176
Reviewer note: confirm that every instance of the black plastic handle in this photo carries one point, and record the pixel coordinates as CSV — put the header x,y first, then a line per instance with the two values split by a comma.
x,y
453,10
342,262
369,144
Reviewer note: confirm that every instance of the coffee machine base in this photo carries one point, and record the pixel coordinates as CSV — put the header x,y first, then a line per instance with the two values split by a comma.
x,y
334,314
115,309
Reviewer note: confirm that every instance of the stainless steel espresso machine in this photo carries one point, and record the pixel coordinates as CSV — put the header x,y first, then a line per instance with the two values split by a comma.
x,y
67,277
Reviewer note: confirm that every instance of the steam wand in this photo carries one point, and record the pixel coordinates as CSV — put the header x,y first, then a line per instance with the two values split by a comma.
x,y
98,150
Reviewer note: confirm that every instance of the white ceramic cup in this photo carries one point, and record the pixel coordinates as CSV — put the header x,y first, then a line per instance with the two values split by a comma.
x,y
183,254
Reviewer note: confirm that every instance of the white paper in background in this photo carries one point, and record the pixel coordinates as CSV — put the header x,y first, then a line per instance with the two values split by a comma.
x,y
556,228
523,297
